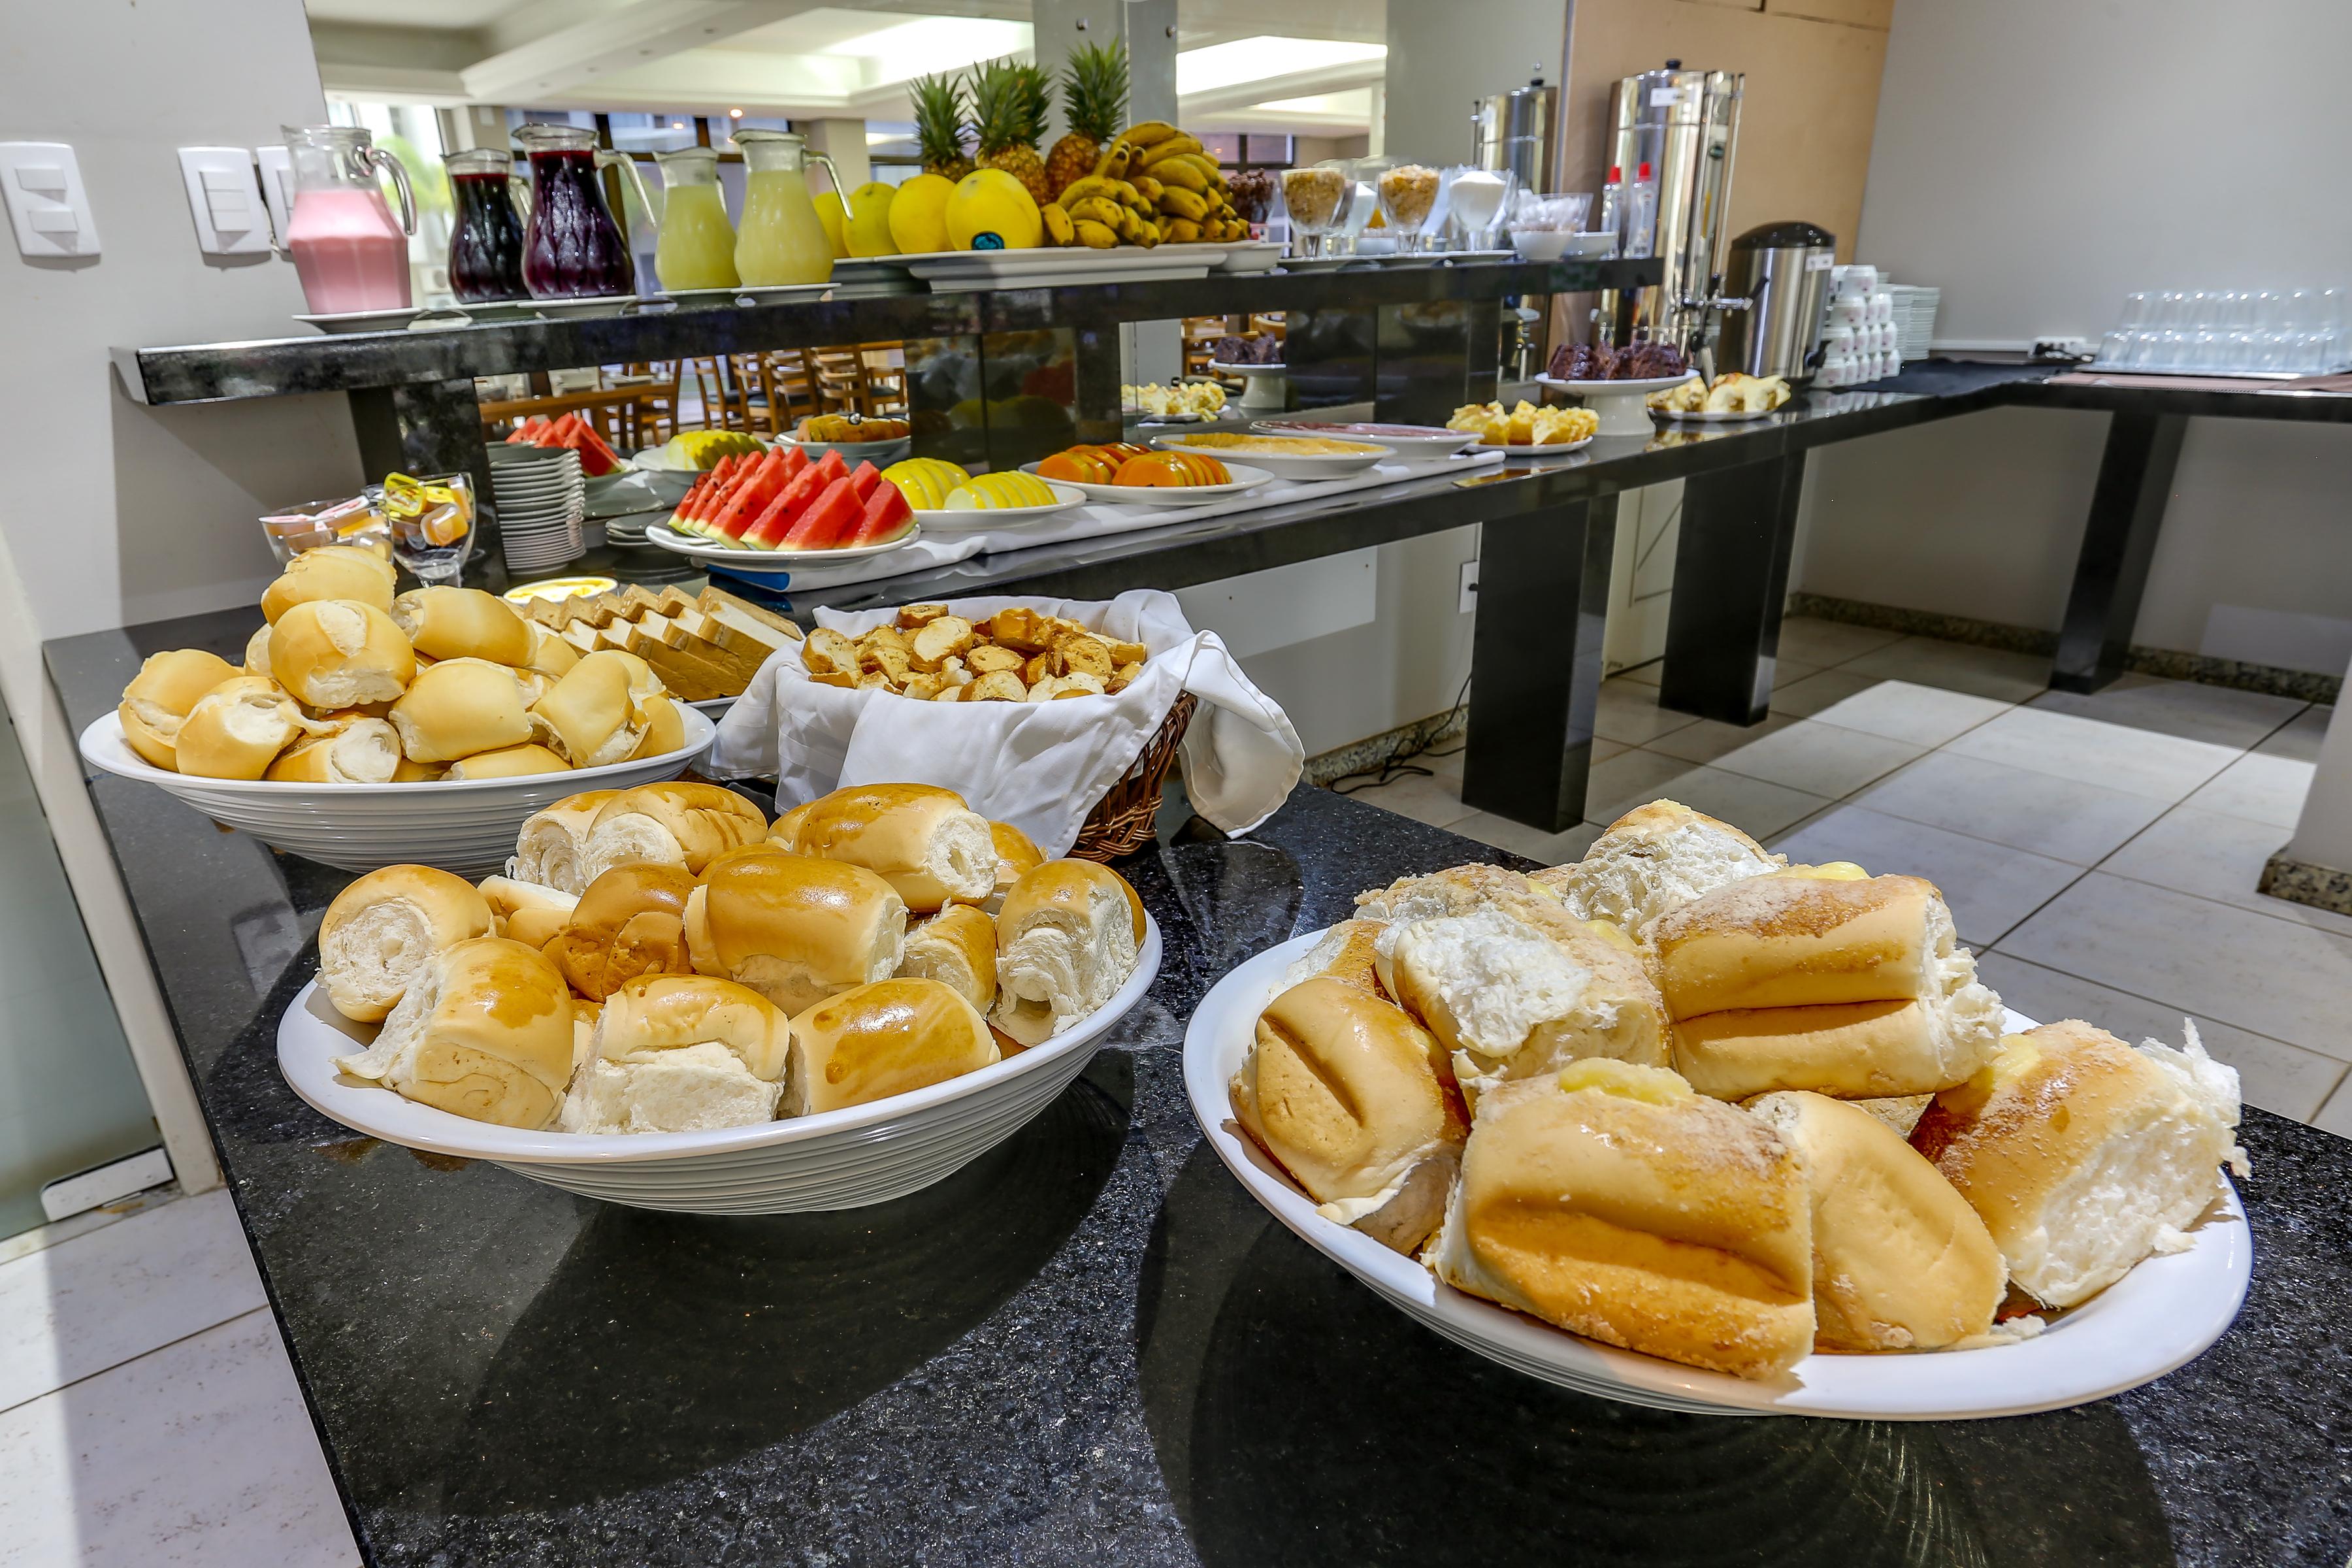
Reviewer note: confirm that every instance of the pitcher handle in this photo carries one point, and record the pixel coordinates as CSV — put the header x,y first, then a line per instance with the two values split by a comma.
x,y
379,161
519,191
608,158
824,161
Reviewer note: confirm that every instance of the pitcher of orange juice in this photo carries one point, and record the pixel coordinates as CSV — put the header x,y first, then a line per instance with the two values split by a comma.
x,y
696,249
780,239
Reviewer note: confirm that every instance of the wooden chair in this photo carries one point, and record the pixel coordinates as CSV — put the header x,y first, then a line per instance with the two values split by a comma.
x,y
836,374
786,390
723,399
883,388
653,418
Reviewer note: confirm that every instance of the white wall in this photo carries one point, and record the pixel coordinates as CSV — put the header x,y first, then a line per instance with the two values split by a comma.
x,y
1445,55
2037,158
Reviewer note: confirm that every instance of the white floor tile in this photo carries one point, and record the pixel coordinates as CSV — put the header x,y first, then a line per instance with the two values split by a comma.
x,y
1435,800
2274,977
2258,788
2271,1073
98,1301
1551,848
1785,669
1648,674
1820,759
1820,642
1958,667
2193,711
1449,765
1710,737
1629,711
1803,698
2062,818
1905,710
198,1455
2138,762
1629,779
1758,807
2215,857
2300,736
1990,886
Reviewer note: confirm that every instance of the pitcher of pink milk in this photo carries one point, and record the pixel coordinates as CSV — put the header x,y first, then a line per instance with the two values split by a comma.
x,y
350,253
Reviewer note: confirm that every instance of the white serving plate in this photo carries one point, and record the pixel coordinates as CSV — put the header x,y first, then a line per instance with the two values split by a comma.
x,y
655,460
1428,440
588,305
1532,449
1053,267
1721,416
363,321
1645,386
2155,1318
1308,465
1620,405
942,521
744,294
741,560
836,1160
1245,479
881,454
467,827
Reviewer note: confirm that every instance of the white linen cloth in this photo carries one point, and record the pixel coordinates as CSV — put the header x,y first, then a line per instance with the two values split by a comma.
x,y
1041,766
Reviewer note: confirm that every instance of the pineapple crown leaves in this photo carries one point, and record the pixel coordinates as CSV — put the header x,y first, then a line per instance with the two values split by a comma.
x,y
1010,102
939,114
1093,90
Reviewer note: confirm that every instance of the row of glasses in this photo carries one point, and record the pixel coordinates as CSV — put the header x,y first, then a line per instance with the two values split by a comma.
x,y
1422,210
2289,331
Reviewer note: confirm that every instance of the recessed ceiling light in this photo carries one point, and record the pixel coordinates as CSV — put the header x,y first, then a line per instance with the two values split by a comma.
x,y
678,125
932,44
734,114
1265,59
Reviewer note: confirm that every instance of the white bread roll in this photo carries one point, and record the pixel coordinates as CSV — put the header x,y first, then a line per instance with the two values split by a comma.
x,y
382,931
1900,1261
681,1053
2083,1155
550,849
237,730
550,654
340,653
794,929
331,572
890,1037
956,947
1066,939
630,921
460,708
664,728
1852,1050
1621,1205
462,622
1353,1098
1016,853
1516,998
256,651
932,848
159,697
1457,891
484,1031
1655,858
527,912
1348,953
1793,940
674,824
357,750
592,714
508,763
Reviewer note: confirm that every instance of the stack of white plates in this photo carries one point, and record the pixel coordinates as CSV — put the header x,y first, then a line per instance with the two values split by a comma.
x,y
541,497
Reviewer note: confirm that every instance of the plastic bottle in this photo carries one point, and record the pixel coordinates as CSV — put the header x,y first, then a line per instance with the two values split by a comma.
x,y
1613,191
1641,215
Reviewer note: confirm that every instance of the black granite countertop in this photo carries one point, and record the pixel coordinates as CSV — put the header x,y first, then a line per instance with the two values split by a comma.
x,y
1091,1346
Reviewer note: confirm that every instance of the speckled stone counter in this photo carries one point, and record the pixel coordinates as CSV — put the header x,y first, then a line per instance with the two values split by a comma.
x,y
1091,1346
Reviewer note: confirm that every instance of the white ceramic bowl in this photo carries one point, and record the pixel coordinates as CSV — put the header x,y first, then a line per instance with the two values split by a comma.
x,y
881,454
838,1160
2155,1318
1540,244
1414,443
468,827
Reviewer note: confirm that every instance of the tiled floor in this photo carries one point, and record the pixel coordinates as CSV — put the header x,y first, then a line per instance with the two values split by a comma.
x,y
2099,852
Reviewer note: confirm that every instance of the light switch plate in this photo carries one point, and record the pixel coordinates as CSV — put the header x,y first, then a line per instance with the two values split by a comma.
x,y
278,186
226,201
46,205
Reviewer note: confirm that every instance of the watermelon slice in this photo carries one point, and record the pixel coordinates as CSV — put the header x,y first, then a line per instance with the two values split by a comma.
x,y
596,458
887,515
828,524
795,459
866,477
765,480
768,532
700,497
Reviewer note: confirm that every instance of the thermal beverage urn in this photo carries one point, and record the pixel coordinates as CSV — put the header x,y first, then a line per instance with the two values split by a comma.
x,y
1782,271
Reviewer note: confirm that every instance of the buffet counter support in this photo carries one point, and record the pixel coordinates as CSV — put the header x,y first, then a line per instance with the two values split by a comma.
x,y
1092,1344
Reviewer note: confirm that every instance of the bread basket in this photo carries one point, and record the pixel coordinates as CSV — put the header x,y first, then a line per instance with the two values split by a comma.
x,y
1125,819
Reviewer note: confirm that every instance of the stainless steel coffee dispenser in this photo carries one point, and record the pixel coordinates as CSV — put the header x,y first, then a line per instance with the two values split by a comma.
x,y
1685,124
1783,270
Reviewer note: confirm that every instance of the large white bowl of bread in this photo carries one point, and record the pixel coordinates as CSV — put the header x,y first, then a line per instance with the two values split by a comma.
x,y
1684,1125
367,727
671,1003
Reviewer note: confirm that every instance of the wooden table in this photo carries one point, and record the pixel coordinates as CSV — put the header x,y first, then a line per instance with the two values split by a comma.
x,y
598,403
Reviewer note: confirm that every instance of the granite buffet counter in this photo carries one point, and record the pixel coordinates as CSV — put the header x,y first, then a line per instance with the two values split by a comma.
x,y
1092,1346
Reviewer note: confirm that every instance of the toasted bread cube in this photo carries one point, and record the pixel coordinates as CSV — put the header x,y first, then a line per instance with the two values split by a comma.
x,y
1123,677
1127,652
923,687
1081,683
892,661
911,617
1042,667
941,640
1086,655
1002,686
886,637
826,651
950,694
992,660
875,680
1022,629
834,677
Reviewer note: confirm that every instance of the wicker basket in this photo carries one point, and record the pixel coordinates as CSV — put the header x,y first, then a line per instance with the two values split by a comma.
x,y
1121,822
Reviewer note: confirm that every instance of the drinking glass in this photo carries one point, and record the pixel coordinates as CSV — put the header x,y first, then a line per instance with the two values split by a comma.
x,y
432,524
1317,200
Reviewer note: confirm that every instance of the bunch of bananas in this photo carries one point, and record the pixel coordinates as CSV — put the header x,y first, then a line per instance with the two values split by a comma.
x,y
1153,184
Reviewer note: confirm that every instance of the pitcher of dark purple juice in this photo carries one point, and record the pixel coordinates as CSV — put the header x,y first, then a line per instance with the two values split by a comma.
x,y
571,248
486,246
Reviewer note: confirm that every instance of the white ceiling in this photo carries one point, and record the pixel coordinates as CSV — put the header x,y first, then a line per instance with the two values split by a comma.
x,y
1311,61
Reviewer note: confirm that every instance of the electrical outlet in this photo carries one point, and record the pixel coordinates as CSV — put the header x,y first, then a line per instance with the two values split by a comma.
x,y
1469,587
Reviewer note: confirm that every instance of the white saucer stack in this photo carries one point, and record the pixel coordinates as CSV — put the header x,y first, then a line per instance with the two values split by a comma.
x,y
541,497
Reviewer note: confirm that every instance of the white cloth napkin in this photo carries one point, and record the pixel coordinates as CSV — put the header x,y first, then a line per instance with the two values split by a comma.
x,y
1042,766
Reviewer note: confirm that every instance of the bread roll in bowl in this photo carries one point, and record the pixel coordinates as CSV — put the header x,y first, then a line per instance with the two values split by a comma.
x,y
1655,858
1066,939
1016,853
508,763
355,750
237,728
594,714
1353,1098
460,708
340,653
1348,953
1794,940
931,847
256,651
664,728
1900,1261
680,1053
484,1032
462,622
956,947
892,1037
630,921
550,654
159,697
2083,1155
1457,891
1619,1203
527,911
794,929
380,932
674,824
1853,1050
550,849
331,572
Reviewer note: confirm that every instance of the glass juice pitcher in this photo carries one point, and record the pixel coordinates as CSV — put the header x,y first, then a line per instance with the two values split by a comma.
x,y
486,245
781,239
571,248
348,251
696,249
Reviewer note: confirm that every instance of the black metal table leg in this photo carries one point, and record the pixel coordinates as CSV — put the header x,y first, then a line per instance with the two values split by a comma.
x,y
1530,709
2118,541
1731,575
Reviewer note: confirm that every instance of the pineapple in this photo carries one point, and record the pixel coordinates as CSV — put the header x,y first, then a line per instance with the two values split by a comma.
x,y
1009,104
1094,102
938,125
